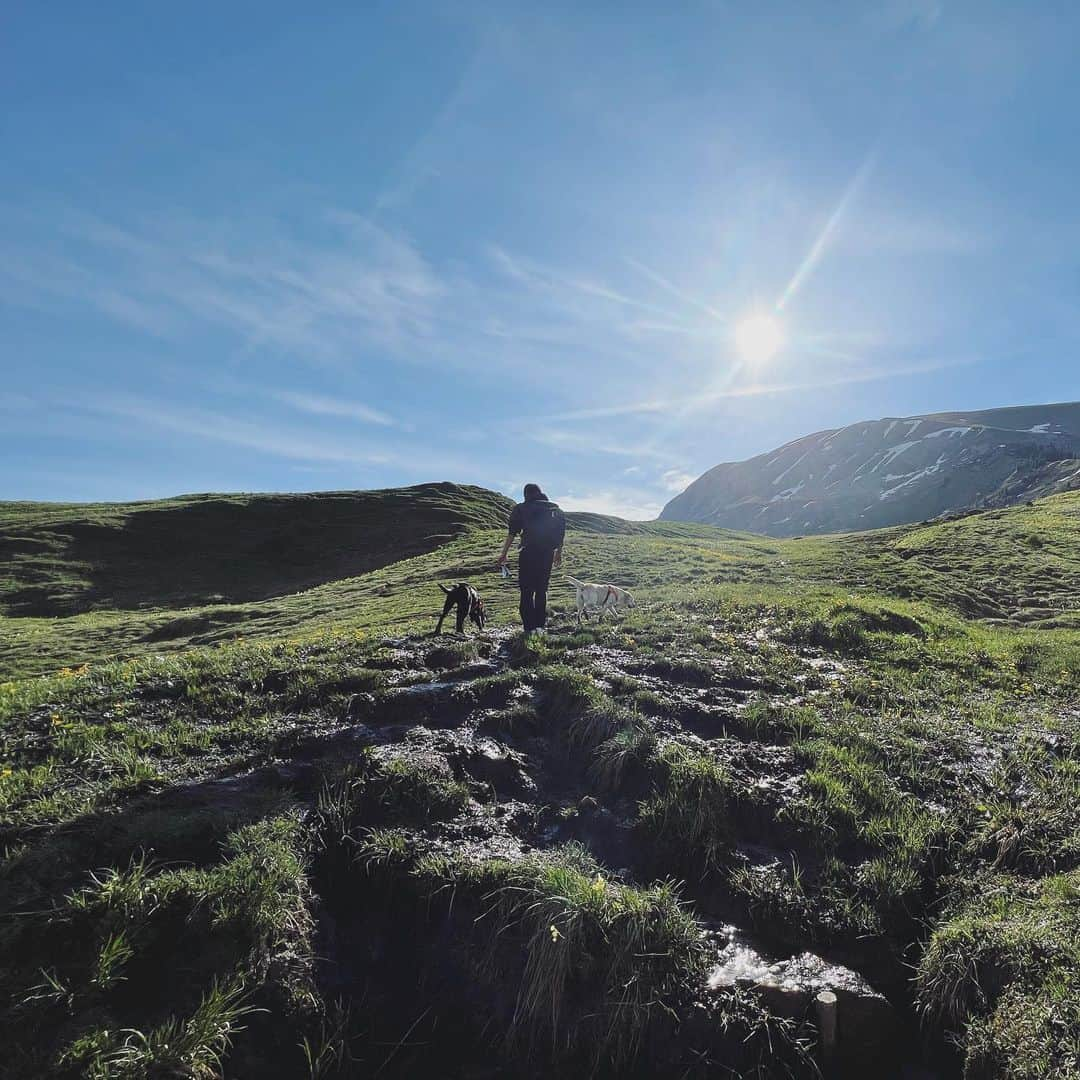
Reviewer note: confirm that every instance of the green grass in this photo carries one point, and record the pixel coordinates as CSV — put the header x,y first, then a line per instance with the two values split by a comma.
x,y
687,817
1021,564
893,714
602,960
87,993
1003,969
398,593
60,559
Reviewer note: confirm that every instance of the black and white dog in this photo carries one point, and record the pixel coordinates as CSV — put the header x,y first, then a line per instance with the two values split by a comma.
x,y
469,606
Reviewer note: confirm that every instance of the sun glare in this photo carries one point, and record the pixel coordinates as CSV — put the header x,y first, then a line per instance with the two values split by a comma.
x,y
758,338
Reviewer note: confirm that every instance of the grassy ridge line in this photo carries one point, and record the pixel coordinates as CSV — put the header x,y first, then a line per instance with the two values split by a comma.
x,y
68,559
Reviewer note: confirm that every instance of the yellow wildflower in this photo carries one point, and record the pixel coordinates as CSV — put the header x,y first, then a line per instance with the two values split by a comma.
x,y
555,935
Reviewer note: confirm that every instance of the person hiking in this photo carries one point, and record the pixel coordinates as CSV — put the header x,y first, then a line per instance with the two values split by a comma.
x,y
542,526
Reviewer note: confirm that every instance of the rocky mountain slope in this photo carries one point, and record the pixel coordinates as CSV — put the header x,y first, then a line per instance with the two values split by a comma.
x,y
891,471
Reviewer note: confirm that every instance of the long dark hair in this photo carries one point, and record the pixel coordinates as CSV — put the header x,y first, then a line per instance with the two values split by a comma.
x,y
533,491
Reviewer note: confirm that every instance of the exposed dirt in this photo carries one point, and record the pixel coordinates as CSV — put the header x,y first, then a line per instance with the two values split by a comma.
x,y
528,792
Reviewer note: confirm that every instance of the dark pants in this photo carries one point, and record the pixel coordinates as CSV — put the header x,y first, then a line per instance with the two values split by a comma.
x,y
534,573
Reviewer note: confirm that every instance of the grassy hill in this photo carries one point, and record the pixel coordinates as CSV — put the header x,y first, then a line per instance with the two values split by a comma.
x,y
64,559
81,583
288,834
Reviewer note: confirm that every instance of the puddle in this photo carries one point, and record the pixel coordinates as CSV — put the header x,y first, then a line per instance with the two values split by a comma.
x,y
866,1022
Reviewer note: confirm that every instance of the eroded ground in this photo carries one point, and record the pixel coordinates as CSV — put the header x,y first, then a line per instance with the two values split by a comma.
x,y
637,848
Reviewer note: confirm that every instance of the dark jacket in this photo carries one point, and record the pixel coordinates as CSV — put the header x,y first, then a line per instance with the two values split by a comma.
x,y
541,523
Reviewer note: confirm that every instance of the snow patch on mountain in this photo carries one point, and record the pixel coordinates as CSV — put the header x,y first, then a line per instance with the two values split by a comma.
x,y
911,478
950,431
885,472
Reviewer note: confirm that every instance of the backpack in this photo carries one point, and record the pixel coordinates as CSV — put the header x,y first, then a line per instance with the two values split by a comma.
x,y
546,527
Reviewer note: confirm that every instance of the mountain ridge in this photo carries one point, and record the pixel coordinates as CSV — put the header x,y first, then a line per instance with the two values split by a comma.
x,y
891,471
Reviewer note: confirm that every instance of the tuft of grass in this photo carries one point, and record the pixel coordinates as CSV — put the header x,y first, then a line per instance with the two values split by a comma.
x,y
1002,974
683,670
418,788
451,655
193,1047
328,1052
603,961
565,692
596,724
687,817
777,900
623,759
390,789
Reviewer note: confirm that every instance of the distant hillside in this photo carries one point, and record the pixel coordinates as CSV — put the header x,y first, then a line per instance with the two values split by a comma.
x,y
62,559
891,471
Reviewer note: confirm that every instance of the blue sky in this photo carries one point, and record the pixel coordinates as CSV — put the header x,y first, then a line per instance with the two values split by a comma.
x,y
270,247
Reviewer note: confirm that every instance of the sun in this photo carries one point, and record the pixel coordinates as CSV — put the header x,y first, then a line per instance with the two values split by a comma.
x,y
758,338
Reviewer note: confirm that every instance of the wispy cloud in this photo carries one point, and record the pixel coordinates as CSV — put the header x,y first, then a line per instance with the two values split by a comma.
x,y
327,406
669,286
316,299
296,445
232,429
591,443
632,505
703,400
335,289
676,480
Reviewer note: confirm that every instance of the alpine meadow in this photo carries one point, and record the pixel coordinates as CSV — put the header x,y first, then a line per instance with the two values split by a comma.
x,y
251,834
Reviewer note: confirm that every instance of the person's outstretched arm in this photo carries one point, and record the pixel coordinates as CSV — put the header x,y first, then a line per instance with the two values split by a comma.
x,y
515,528
505,549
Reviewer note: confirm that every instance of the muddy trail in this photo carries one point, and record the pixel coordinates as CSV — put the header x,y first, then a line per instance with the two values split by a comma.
x,y
478,858
446,805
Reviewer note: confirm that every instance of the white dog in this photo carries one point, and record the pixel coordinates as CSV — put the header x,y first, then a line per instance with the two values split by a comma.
x,y
599,598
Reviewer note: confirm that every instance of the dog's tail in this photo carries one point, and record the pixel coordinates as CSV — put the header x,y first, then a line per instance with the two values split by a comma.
x,y
574,580
444,588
